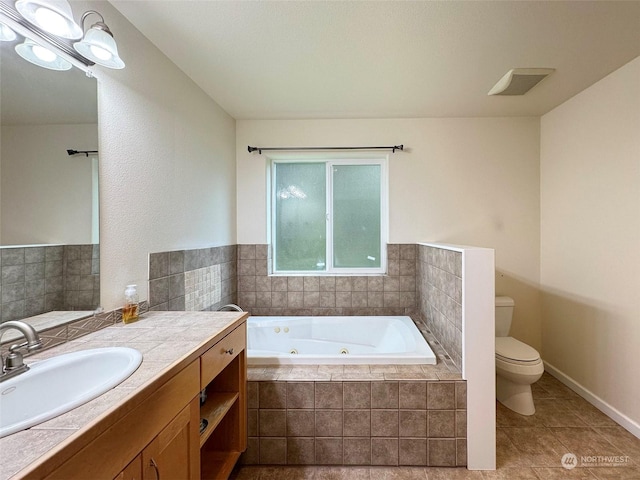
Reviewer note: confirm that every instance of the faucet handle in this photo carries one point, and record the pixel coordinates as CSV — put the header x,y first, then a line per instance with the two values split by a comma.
x,y
14,361
31,346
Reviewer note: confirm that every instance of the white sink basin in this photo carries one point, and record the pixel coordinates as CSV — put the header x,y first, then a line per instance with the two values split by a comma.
x,y
54,386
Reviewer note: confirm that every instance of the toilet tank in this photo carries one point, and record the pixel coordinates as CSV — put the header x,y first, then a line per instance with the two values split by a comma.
x,y
504,314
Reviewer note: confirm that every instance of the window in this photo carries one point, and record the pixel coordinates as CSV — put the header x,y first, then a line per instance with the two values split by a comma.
x,y
329,216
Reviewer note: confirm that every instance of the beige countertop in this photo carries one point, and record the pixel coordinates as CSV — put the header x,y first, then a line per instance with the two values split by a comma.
x,y
168,341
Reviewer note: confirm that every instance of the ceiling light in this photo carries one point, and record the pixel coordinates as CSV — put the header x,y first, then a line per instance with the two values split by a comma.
x,y
6,34
98,44
41,56
52,16
519,81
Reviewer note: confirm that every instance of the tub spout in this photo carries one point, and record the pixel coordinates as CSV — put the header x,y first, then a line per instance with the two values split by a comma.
x,y
230,307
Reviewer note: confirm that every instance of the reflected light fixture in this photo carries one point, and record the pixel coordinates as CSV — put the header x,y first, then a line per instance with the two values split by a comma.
x,y
6,34
52,16
41,56
98,44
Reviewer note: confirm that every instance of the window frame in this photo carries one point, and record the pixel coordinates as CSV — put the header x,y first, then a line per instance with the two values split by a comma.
x,y
330,161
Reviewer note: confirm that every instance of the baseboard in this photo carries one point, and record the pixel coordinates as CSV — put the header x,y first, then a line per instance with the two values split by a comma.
x,y
594,400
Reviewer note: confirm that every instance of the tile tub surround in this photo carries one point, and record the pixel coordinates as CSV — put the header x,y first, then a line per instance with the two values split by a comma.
x,y
439,296
356,422
528,447
39,279
269,295
193,280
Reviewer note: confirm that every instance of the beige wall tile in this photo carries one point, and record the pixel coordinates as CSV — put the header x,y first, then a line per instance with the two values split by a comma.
x,y
357,423
252,422
301,450
357,451
384,423
252,394
441,452
384,395
272,423
273,451
328,395
461,452
357,394
252,455
300,394
384,451
272,394
461,423
301,423
441,423
413,423
329,451
328,423
441,395
412,451
413,395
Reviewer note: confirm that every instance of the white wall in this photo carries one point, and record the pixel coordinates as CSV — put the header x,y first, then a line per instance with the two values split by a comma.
x,y
167,162
590,239
471,181
46,194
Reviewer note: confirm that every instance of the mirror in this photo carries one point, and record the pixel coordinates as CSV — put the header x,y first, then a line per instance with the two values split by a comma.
x,y
49,245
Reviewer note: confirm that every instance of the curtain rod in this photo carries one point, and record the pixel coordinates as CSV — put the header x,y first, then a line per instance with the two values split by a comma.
x,y
393,148
82,152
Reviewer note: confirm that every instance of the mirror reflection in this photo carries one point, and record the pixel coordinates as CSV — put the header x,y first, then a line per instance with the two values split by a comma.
x,y
49,241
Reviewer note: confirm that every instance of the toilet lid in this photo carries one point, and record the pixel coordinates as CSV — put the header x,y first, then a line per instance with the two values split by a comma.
x,y
511,349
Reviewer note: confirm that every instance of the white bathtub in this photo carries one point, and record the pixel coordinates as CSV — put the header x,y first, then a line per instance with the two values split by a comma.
x,y
336,340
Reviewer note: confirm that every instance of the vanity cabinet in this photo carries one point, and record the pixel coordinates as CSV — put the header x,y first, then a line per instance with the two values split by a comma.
x,y
223,376
173,453
133,470
159,437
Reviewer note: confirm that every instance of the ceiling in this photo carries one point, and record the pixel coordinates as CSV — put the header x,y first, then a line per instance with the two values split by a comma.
x,y
382,59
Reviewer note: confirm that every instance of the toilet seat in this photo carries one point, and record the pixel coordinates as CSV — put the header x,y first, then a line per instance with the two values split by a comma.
x,y
510,350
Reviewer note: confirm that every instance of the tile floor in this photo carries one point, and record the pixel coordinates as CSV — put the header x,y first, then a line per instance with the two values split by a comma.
x,y
527,447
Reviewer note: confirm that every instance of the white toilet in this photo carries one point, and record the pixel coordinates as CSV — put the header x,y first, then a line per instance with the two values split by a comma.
x,y
517,364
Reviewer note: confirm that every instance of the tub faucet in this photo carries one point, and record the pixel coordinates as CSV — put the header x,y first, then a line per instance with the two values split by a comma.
x,y
230,307
13,364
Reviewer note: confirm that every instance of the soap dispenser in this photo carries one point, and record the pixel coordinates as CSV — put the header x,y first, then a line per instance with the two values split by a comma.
x,y
131,305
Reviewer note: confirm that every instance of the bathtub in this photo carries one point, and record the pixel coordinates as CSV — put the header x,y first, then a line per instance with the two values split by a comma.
x,y
336,340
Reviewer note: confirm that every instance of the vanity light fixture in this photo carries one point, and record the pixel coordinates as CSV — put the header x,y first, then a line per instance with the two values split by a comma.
x,y
98,44
52,16
41,56
50,23
6,34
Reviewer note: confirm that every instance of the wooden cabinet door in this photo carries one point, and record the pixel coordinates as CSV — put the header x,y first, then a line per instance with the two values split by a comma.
x,y
133,471
175,453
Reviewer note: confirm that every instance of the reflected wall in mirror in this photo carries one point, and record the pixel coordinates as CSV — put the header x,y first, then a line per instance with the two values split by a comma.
x,y
49,241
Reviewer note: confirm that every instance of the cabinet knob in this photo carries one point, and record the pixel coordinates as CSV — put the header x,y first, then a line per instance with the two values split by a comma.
x,y
230,351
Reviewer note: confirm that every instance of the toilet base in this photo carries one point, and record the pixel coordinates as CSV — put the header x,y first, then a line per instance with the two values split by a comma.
x,y
515,396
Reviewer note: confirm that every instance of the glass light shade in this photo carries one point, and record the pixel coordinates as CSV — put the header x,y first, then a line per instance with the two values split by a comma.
x,y
99,47
53,16
6,34
41,56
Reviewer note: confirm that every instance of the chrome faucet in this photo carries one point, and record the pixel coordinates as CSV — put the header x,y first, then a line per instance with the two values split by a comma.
x,y
13,365
230,307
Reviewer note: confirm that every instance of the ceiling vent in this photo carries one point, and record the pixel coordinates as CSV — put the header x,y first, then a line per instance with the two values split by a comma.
x,y
519,81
